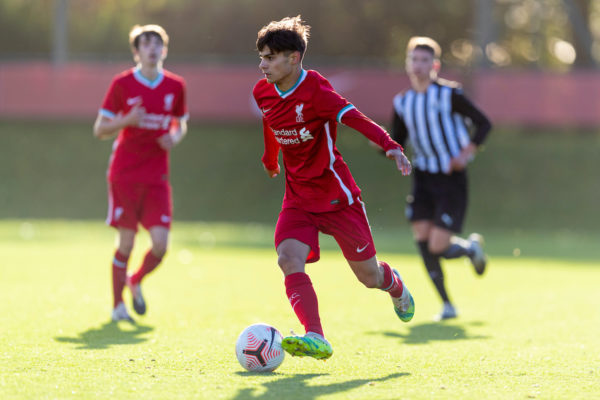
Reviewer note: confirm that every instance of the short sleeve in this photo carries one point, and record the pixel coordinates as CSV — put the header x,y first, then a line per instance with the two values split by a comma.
x,y
113,101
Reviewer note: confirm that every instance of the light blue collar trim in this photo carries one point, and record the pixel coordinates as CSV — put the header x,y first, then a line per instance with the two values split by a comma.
x,y
285,94
137,74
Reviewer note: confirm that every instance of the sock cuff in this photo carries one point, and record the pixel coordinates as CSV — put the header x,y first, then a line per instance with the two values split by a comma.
x,y
120,260
297,279
388,278
121,257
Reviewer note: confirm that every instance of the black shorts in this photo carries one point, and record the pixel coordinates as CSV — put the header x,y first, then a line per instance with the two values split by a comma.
x,y
439,198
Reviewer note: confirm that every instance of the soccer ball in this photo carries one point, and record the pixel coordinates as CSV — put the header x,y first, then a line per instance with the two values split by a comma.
x,y
258,348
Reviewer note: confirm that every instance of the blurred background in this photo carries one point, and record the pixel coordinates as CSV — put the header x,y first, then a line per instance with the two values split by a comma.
x,y
531,65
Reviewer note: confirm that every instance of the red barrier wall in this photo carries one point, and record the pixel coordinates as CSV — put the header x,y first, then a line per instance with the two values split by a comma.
x,y
38,90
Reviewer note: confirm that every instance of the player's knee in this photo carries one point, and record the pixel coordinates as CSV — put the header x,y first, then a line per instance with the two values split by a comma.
x,y
437,249
290,263
159,249
125,248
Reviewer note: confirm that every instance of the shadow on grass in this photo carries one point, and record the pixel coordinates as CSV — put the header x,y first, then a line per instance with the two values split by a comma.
x,y
107,335
295,387
434,331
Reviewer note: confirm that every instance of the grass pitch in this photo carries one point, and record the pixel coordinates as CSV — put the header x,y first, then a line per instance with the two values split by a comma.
x,y
528,329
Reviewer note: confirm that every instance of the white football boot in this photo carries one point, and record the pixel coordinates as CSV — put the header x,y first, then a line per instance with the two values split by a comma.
x,y
448,311
119,313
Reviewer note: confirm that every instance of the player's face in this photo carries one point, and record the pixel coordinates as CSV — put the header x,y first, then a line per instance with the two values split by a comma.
x,y
151,50
420,63
277,67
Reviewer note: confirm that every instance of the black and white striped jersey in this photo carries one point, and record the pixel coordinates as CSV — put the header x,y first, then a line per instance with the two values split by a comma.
x,y
439,123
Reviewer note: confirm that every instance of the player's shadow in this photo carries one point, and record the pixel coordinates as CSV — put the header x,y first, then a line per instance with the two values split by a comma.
x,y
434,331
295,387
109,334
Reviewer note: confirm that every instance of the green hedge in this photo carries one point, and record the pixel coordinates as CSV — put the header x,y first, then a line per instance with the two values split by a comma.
x,y
522,180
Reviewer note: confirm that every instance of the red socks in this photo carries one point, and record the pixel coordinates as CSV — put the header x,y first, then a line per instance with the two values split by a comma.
x,y
302,296
150,262
119,274
391,283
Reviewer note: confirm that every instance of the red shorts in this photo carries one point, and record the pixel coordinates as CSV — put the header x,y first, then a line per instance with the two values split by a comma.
x,y
349,227
133,203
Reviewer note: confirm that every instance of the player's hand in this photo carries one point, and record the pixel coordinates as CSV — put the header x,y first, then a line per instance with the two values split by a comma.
x,y
460,162
166,141
272,172
136,114
401,160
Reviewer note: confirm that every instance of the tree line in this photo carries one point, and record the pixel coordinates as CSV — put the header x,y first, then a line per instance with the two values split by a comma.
x,y
544,34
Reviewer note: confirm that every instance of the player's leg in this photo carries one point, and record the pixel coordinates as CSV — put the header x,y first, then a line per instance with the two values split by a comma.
x,y
422,231
119,273
298,287
292,255
156,212
122,201
420,211
434,269
351,230
159,236
451,206
447,245
378,274
296,241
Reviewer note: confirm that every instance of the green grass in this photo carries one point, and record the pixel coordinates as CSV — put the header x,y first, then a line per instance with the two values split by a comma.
x,y
528,329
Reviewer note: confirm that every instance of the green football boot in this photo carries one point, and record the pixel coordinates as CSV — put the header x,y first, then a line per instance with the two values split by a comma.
x,y
404,305
311,345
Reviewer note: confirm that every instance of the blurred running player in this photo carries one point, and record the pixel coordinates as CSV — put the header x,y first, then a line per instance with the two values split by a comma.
x,y
146,107
434,115
300,116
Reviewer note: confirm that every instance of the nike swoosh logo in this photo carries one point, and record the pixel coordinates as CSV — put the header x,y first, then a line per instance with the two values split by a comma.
x,y
361,249
266,110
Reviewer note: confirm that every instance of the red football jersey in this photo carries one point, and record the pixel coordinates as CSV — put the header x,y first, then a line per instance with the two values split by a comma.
x,y
137,156
302,122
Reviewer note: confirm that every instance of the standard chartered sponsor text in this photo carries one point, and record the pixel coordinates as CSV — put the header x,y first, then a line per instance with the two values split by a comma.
x,y
155,121
285,132
287,140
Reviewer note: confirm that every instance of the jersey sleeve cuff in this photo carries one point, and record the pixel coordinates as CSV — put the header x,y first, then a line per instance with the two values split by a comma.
x,y
344,111
108,114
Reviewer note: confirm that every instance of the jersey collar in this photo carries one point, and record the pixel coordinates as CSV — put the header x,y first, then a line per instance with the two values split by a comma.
x,y
137,74
285,94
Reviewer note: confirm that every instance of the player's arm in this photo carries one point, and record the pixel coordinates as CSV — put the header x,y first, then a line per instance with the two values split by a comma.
x,y
462,105
175,135
270,158
399,129
178,128
465,107
107,125
376,134
329,105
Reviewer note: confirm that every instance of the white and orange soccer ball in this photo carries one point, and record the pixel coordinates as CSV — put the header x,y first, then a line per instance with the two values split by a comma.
x,y
258,348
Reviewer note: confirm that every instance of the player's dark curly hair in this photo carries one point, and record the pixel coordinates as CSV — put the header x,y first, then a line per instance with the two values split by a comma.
x,y
289,34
